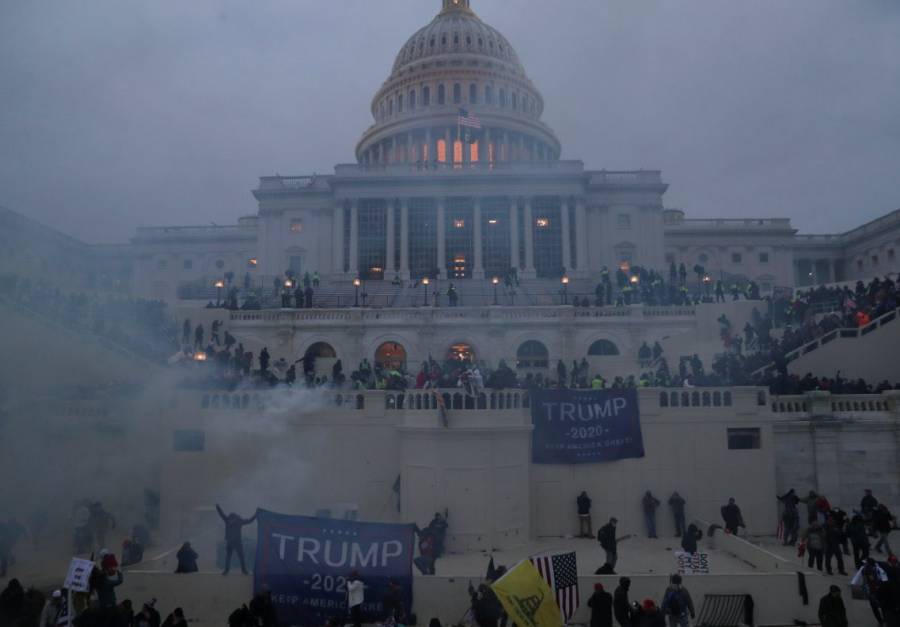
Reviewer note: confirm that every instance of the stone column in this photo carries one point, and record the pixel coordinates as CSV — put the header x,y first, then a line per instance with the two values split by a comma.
x,y
441,240
338,241
826,450
354,238
486,151
404,239
529,272
431,153
478,268
448,146
566,236
389,268
514,258
581,250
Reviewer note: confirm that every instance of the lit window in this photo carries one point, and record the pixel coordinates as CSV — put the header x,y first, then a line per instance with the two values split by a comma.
x,y
764,257
442,151
459,224
736,258
187,264
296,226
542,223
744,438
473,152
252,262
493,221
624,221
457,152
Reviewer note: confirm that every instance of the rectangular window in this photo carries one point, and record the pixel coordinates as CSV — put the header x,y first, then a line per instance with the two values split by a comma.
x,y
460,233
764,257
744,438
547,234
372,239
189,440
624,221
495,236
187,264
874,260
890,254
161,264
736,258
422,238
295,264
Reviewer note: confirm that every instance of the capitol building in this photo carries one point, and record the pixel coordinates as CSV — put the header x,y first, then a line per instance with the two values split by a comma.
x,y
458,178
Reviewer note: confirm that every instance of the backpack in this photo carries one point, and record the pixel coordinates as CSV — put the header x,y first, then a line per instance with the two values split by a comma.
x,y
673,604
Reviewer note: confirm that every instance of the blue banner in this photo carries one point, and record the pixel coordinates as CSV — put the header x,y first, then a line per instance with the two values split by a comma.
x,y
305,563
585,426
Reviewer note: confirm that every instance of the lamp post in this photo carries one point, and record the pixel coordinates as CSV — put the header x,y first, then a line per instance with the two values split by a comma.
x,y
356,284
425,283
707,282
219,285
634,287
495,281
565,289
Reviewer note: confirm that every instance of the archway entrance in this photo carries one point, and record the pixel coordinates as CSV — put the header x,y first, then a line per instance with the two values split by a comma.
x,y
461,352
532,355
391,356
319,359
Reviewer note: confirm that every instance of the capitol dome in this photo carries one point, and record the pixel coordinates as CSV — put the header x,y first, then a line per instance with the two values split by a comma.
x,y
457,64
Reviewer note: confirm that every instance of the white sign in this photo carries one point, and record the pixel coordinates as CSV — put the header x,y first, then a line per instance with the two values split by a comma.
x,y
692,563
79,575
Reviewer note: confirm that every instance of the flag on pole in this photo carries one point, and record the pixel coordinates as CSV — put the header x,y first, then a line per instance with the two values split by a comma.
x,y
560,571
467,120
526,597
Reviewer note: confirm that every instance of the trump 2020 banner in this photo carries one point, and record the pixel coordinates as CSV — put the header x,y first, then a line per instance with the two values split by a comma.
x,y
585,426
305,563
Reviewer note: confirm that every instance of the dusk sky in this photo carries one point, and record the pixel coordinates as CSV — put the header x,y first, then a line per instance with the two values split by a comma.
x,y
117,114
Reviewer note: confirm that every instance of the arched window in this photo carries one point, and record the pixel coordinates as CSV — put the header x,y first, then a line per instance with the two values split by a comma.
x,y
400,103
502,97
391,106
515,100
426,96
461,352
457,93
532,354
442,150
488,94
473,93
442,96
321,349
412,99
391,356
603,348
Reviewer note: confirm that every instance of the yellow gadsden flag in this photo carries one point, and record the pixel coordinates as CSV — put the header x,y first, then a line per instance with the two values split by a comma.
x,y
527,598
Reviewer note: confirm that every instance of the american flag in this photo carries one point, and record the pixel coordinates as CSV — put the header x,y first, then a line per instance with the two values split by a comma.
x,y
560,571
467,120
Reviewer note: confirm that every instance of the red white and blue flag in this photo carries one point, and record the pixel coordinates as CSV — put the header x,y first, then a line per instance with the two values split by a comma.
x,y
468,120
560,571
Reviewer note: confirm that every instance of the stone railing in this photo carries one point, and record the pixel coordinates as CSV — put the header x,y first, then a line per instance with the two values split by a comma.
x,y
725,224
422,168
155,233
430,315
820,404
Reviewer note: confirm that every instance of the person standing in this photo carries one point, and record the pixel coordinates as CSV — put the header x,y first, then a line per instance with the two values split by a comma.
x,y
859,539
871,577
111,579
677,502
690,538
790,517
832,612
606,536
883,522
732,516
814,540
585,529
234,540
601,604
621,605
51,610
355,596
677,603
187,559
649,504
833,539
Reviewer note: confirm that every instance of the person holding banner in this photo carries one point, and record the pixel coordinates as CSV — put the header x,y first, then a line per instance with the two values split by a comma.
x,y
234,539
355,596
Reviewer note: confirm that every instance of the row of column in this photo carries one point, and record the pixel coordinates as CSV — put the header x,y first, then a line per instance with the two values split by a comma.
x,y
399,149
527,271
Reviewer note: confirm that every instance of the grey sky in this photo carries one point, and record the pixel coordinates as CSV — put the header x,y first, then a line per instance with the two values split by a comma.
x,y
118,113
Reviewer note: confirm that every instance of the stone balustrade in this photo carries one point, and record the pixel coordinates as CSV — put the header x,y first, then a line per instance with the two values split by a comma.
x,y
820,404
